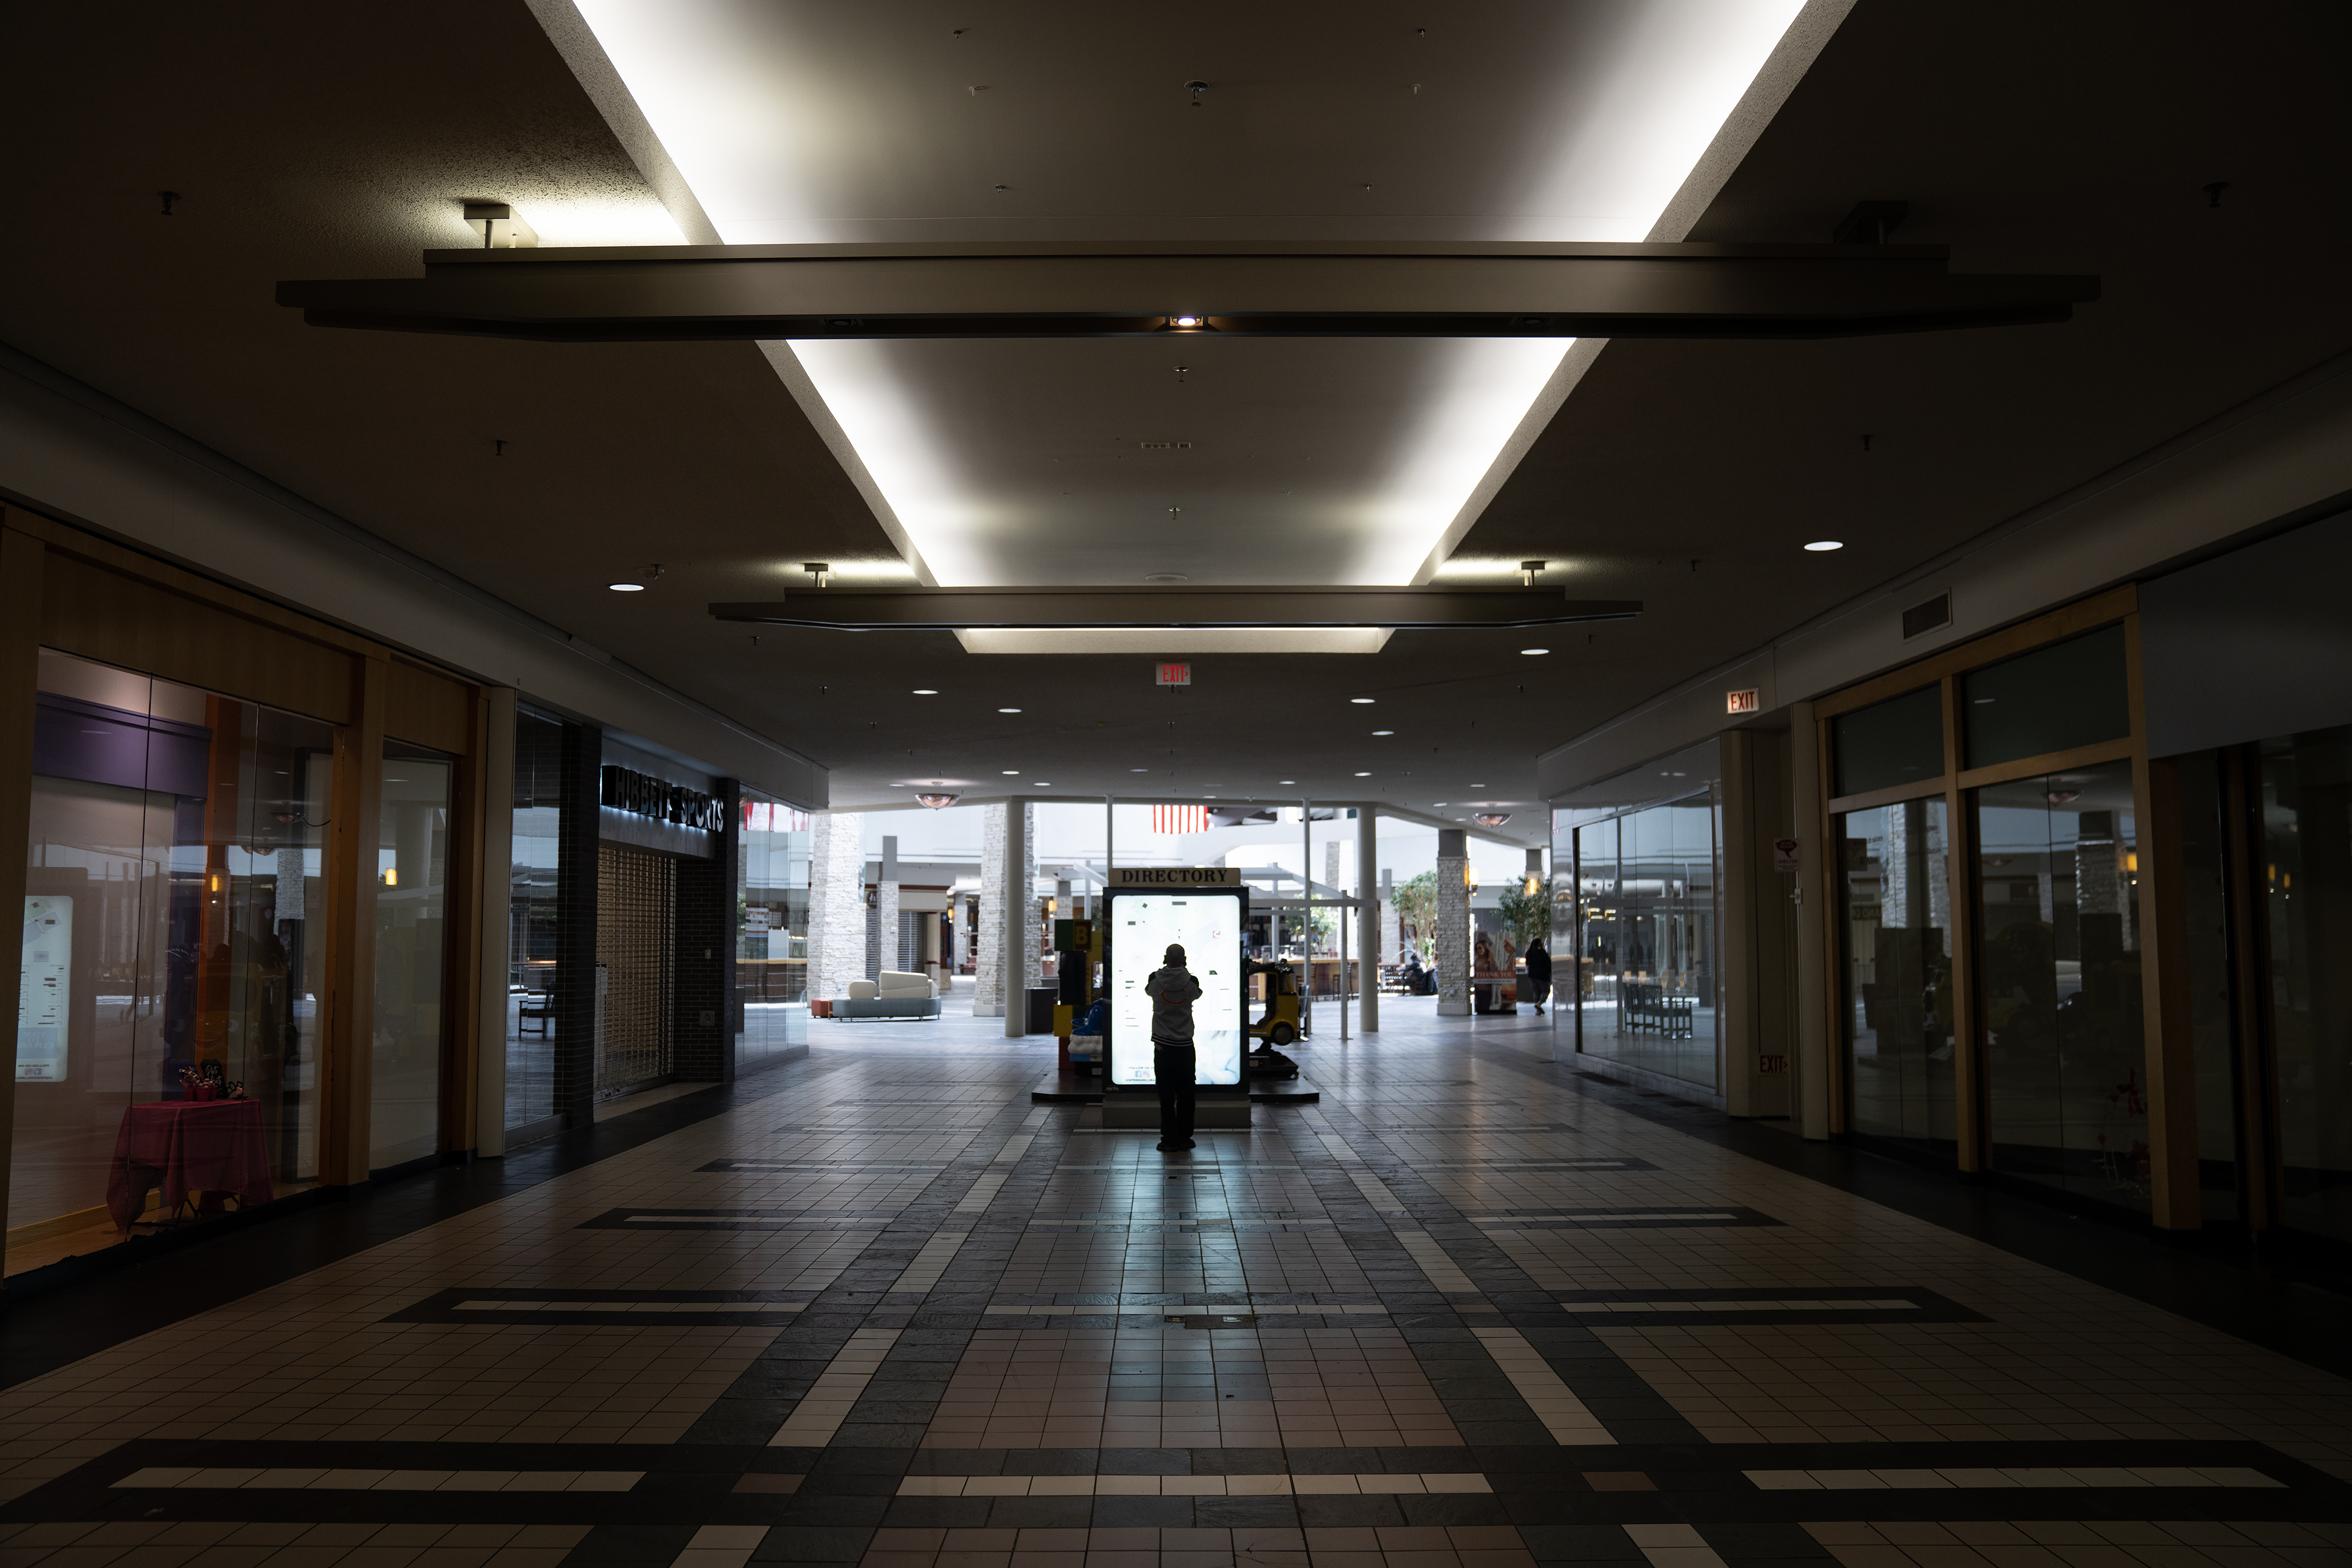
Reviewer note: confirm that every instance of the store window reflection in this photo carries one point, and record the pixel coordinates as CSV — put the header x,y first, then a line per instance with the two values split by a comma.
x,y
411,943
532,924
174,903
772,962
2059,993
2306,889
1896,886
1646,955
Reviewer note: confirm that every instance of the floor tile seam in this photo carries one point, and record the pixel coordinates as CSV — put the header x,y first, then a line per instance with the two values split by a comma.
x,y
1915,1228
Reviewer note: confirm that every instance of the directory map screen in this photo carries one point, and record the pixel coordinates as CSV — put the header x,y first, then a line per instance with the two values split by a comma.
x,y
1209,925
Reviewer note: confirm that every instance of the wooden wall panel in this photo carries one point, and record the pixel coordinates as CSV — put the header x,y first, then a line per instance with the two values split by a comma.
x,y
102,614
425,708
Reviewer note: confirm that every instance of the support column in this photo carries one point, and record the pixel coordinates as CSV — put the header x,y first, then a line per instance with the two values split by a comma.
x,y
1391,923
1306,917
704,958
21,557
1736,988
497,768
346,1061
836,930
1805,810
988,937
1019,891
885,908
1370,912
1453,945
578,800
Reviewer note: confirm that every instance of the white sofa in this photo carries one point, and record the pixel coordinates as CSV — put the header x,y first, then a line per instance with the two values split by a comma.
x,y
898,994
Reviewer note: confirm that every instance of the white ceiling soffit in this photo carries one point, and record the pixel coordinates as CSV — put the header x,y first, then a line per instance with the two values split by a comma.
x,y
1345,462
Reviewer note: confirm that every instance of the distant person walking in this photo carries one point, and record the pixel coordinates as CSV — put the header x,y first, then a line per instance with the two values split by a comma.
x,y
1174,1065
1538,974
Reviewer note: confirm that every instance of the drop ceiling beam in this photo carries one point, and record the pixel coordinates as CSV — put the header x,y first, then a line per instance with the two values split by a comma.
x,y
967,609
706,293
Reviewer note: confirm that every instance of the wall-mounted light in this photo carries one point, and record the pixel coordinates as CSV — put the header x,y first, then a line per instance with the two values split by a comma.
x,y
1530,886
1470,876
391,876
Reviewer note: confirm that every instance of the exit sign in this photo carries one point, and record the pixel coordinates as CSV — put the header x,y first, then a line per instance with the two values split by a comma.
x,y
1750,701
1175,675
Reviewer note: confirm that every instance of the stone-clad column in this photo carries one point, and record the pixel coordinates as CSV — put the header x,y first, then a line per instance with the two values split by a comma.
x,y
1453,945
988,937
885,902
836,934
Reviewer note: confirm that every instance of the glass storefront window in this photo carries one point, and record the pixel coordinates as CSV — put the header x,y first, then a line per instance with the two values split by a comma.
x,y
2305,888
771,965
2057,915
1899,741
411,940
532,920
1646,952
2076,693
176,902
1894,887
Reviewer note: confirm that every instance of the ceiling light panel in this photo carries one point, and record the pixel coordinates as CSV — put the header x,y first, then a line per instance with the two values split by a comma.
x,y
1340,461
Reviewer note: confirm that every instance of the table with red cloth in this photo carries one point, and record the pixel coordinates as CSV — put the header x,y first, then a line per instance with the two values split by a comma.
x,y
187,1146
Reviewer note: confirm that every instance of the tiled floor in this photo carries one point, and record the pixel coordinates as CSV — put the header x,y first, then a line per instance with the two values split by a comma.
x,y
875,1307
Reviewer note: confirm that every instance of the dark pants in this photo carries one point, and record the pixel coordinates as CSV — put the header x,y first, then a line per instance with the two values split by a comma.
x,y
1173,1068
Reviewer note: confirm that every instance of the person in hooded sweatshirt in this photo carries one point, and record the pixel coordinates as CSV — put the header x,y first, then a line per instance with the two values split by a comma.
x,y
1538,973
1173,990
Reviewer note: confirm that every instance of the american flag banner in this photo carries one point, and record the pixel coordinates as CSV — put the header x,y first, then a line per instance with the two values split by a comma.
x,y
1179,819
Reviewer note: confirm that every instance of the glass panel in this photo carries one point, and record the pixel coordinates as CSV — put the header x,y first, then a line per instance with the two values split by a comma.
x,y
2070,694
2306,879
1899,741
2211,1022
1647,949
174,866
1896,888
533,921
412,939
2058,922
772,970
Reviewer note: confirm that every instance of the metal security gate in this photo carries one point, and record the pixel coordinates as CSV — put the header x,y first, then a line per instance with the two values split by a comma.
x,y
637,922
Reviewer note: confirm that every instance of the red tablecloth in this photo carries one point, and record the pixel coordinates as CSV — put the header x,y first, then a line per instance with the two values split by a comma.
x,y
213,1145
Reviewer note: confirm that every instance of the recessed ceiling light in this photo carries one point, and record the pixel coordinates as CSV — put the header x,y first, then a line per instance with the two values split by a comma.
x,y
1359,700
1285,780
1532,652
1008,710
925,691
1826,545
1013,773
1384,732
1437,802
1477,786
1139,770
627,587
1187,320
1363,776
1039,784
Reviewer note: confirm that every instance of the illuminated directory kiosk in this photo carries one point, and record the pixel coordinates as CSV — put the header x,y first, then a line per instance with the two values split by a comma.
x,y
1206,909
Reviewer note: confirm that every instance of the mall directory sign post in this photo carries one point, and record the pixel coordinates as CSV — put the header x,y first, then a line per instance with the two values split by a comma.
x,y
1205,908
